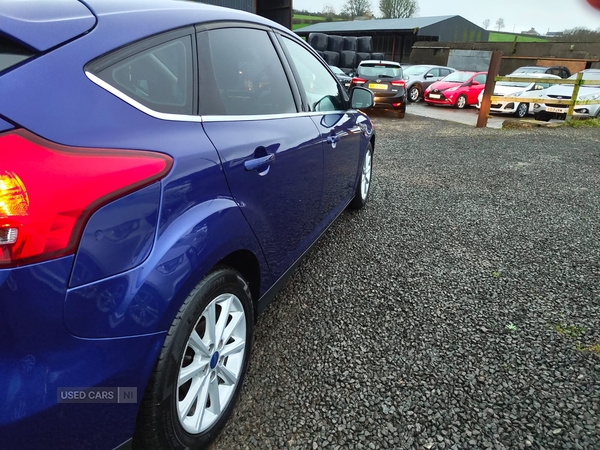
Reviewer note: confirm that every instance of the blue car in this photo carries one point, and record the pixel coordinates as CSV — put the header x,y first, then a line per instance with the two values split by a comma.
x,y
164,167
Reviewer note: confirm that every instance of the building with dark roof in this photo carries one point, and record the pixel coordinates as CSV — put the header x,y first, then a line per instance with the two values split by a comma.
x,y
395,37
279,11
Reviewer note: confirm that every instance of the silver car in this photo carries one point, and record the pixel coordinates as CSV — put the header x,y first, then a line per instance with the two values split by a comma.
x,y
546,110
418,78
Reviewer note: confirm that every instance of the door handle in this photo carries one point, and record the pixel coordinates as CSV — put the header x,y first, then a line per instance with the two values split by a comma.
x,y
253,164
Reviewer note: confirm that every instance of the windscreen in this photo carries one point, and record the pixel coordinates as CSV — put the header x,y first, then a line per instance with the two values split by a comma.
x,y
458,77
380,70
415,70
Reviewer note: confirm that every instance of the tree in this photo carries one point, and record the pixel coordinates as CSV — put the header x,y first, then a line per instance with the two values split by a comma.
x,y
393,9
579,35
486,23
328,12
357,8
500,23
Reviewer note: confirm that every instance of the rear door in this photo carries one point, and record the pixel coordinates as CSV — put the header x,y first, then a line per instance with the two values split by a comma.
x,y
271,152
339,132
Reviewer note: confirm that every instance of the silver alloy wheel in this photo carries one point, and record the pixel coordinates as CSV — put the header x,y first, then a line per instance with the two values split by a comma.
x,y
365,177
212,364
413,94
522,110
461,102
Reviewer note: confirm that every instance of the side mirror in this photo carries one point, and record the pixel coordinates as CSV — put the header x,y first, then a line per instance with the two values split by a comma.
x,y
361,98
474,83
429,75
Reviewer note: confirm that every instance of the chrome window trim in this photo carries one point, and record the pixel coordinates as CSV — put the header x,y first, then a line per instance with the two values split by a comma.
x,y
137,105
240,118
207,118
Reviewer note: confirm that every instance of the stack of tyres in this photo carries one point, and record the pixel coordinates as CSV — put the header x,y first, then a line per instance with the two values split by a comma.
x,y
318,41
335,44
346,52
347,59
360,57
332,58
350,43
365,44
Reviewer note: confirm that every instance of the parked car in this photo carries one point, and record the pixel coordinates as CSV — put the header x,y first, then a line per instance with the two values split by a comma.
x,y
458,89
346,80
536,88
560,71
151,206
420,77
385,80
546,110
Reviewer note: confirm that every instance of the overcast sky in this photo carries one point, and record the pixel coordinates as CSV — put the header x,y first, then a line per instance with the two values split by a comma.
x,y
518,15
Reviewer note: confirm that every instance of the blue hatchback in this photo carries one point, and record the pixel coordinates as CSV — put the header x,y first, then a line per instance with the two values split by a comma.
x,y
164,166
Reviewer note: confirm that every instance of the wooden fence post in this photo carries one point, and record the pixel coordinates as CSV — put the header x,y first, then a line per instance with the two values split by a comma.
x,y
574,96
490,83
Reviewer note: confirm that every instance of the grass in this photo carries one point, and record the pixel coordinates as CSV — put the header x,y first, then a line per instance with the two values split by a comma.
x,y
510,37
594,348
583,123
569,330
305,17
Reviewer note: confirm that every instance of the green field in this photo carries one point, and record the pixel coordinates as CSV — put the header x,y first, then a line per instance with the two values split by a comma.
x,y
508,37
305,17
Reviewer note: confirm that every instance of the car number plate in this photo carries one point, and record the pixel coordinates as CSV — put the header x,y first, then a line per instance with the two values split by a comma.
x,y
435,96
377,86
556,110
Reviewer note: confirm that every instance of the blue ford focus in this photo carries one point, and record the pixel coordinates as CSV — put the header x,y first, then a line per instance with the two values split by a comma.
x,y
164,166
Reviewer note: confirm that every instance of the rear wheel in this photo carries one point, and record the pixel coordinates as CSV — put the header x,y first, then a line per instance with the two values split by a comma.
x,y
521,110
461,102
364,182
201,367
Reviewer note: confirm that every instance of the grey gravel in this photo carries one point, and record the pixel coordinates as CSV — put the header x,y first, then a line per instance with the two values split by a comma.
x,y
429,319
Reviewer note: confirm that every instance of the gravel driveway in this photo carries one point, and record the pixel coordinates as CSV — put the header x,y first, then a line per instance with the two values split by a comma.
x,y
459,310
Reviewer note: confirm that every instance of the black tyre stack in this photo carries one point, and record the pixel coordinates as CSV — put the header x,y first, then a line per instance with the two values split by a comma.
x,y
346,52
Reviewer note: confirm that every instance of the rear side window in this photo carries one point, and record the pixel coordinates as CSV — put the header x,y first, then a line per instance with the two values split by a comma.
x,y
159,77
12,53
240,73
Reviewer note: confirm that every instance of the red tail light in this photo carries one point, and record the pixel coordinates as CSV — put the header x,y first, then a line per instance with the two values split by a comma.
x,y
357,80
48,191
398,83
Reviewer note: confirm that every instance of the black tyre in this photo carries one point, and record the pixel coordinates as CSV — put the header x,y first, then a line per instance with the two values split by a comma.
x,y
201,367
414,93
364,181
521,110
461,102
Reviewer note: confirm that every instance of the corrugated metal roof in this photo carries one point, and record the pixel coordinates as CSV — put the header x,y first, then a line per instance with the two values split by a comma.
x,y
373,25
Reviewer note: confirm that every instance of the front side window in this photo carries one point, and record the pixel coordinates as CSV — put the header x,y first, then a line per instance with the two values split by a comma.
x,y
320,87
240,73
159,78
480,78
433,72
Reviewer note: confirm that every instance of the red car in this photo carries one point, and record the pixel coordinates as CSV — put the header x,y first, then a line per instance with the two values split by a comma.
x,y
458,89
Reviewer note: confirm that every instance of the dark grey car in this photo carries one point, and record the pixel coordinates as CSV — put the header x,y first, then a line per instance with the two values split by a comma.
x,y
418,78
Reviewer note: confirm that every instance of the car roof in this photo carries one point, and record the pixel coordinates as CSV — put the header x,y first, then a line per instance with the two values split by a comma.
x,y
532,75
44,25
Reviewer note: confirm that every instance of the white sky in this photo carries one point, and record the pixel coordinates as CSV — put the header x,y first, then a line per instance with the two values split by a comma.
x,y
518,15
